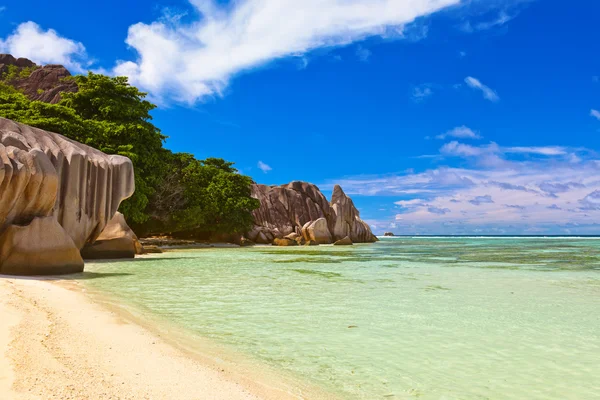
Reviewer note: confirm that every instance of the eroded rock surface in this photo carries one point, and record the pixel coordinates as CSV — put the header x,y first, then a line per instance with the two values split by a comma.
x,y
344,242
43,174
317,231
38,248
296,207
117,240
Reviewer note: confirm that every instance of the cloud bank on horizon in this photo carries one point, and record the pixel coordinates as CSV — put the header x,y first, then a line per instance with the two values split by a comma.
x,y
502,190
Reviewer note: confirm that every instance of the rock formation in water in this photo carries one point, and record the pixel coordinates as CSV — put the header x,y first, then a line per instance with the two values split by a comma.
x,y
344,242
56,195
42,83
301,208
117,240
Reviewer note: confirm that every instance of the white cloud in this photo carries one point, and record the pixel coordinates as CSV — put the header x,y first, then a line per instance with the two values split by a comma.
x,y
189,61
488,93
363,53
455,148
421,93
264,167
543,150
545,191
595,114
461,132
29,40
501,19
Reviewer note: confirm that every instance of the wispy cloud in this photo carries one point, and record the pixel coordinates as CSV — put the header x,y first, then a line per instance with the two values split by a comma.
x,y
540,150
264,167
500,19
479,200
189,61
555,191
29,40
421,92
595,114
461,132
363,53
488,93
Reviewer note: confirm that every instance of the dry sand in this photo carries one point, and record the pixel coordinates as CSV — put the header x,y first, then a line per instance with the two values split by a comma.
x,y
56,343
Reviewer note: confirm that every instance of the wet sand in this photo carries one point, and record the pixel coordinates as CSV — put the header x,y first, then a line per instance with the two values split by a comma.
x,y
56,343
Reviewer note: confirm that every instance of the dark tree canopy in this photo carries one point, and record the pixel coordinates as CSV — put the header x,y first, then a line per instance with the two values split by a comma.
x,y
174,191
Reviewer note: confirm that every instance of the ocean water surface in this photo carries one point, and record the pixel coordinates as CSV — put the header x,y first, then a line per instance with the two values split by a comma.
x,y
405,318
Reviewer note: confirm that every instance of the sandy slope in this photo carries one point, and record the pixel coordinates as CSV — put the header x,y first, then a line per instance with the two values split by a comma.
x,y
55,343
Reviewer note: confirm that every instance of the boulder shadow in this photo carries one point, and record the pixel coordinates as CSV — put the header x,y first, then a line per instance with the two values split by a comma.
x,y
77,276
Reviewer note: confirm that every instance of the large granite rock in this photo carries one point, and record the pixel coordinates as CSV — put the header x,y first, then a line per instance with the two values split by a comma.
x,y
117,240
43,83
347,219
38,248
45,175
344,242
317,231
296,208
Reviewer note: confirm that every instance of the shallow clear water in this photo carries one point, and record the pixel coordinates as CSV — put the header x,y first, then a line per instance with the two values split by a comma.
x,y
438,318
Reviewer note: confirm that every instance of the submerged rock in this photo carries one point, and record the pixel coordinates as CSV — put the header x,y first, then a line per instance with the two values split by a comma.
x,y
45,175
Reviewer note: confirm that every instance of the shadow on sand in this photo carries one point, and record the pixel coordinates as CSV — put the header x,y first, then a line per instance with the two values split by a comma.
x,y
78,276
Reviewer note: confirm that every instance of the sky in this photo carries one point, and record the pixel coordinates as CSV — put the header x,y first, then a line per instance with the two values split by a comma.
x,y
436,116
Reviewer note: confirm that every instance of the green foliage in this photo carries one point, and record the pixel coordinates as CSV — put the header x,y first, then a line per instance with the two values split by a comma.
x,y
205,196
25,72
174,191
13,72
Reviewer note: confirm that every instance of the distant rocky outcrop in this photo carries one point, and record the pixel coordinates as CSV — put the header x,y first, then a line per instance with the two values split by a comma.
x,y
301,208
389,234
56,195
38,83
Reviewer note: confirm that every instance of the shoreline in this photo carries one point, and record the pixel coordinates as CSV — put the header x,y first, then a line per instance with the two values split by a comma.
x,y
60,342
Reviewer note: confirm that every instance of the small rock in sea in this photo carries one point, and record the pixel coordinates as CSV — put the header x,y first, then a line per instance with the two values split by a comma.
x,y
246,242
284,242
353,326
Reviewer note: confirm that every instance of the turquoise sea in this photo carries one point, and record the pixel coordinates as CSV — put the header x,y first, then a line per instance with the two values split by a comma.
x,y
405,318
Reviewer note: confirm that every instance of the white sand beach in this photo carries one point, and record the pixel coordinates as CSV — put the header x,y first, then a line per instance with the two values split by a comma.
x,y
56,343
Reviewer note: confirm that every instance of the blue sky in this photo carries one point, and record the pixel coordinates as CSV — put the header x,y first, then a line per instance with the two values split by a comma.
x,y
437,116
